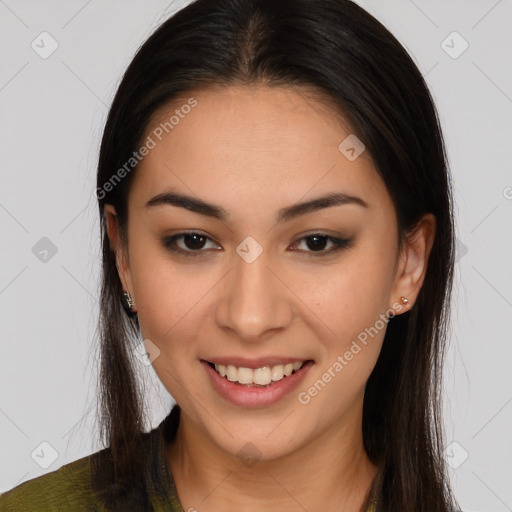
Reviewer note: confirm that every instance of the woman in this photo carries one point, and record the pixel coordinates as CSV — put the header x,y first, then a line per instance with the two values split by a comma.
x,y
277,227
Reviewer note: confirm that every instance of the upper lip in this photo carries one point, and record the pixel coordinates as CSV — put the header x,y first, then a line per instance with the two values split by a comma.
x,y
260,362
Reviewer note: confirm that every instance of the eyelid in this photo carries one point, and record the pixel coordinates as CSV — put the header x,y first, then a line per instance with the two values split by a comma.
x,y
168,242
338,243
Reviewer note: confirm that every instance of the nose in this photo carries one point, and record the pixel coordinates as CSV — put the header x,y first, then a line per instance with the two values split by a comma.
x,y
253,301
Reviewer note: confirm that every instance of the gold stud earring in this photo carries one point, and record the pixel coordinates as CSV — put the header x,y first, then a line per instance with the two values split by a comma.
x,y
404,300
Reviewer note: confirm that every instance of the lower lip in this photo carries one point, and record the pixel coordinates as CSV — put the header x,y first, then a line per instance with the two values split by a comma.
x,y
240,394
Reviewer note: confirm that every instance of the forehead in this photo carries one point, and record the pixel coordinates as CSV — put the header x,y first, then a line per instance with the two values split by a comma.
x,y
252,141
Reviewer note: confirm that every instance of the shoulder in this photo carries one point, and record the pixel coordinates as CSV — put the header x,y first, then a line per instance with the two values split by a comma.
x,y
67,488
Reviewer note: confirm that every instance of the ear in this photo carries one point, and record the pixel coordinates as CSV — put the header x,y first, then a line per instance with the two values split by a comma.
x,y
120,251
413,261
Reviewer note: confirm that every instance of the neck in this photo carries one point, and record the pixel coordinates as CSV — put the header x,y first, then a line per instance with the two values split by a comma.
x,y
331,473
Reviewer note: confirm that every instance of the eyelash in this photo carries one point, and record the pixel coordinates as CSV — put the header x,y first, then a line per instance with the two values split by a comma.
x,y
338,243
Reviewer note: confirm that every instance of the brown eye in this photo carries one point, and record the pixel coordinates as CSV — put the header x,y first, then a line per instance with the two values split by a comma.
x,y
188,243
317,243
192,244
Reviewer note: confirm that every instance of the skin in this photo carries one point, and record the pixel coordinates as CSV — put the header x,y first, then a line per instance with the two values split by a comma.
x,y
252,151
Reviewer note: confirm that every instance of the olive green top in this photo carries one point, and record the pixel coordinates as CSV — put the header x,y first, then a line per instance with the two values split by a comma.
x,y
69,488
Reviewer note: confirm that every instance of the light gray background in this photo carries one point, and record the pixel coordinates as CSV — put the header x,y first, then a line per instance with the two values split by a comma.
x,y
52,114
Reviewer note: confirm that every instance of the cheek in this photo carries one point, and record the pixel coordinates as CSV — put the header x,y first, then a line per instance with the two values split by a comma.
x,y
168,296
350,296
353,304
169,306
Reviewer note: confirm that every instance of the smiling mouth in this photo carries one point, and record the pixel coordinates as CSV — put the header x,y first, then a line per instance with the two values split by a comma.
x,y
258,377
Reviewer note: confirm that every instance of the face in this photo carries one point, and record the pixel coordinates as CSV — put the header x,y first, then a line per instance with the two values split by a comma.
x,y
252,283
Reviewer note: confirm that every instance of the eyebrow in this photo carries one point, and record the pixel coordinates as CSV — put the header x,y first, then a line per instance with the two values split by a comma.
x,y
285,214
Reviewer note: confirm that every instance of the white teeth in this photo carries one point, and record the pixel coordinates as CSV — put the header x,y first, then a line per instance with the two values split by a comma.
x,y
232,373
277,372
260,376
245,375
288,369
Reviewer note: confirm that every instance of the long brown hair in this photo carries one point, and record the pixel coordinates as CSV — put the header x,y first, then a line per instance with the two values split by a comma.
x,y
339,50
